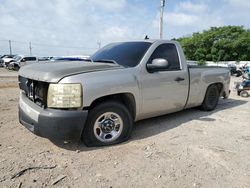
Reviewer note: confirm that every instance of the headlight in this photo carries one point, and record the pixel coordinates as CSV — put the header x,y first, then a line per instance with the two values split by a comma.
x,y
64,96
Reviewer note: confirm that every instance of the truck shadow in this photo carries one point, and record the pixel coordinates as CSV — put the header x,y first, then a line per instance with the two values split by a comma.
x,y
153,126
157,125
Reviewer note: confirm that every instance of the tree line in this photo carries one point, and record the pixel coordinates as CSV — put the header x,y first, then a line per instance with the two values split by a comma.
x,y
228,43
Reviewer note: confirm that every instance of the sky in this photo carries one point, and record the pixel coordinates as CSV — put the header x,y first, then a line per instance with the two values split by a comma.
x,y
77,27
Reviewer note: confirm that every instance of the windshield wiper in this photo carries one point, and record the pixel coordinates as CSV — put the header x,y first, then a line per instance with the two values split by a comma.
x,y
106,61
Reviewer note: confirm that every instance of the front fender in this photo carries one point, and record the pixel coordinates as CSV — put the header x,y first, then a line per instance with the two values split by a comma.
x,y
104,83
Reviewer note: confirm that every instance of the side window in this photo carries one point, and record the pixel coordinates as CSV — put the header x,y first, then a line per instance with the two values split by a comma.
x,y
168,52
30,58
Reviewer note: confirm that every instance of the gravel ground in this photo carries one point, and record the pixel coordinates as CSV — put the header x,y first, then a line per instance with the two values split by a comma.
x,y
185,149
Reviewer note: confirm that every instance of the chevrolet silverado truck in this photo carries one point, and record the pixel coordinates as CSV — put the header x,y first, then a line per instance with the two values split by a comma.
x,y
99,100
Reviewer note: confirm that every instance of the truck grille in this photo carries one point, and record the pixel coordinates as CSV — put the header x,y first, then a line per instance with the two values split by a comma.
x,y
35,90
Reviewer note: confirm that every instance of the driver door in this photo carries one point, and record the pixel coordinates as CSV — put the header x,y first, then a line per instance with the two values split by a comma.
x,y
164,91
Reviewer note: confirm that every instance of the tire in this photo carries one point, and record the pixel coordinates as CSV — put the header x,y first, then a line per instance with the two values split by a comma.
x,y
107,124
244,94
211,98
238,73
16,68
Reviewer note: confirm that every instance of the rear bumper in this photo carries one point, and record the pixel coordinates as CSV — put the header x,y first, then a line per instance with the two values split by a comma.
x,y
50,123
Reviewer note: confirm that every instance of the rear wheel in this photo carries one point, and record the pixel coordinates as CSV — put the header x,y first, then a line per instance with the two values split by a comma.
x,y
108,123
211,98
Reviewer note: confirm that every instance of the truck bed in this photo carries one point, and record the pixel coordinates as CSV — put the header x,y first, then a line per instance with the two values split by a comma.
x,y
201,77
204,66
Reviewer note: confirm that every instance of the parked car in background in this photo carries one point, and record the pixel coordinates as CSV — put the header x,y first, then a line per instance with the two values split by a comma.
x,y
21,60
45,58
6,59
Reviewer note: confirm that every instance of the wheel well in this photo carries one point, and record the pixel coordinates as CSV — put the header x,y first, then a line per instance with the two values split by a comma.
x,y
126,99
219,86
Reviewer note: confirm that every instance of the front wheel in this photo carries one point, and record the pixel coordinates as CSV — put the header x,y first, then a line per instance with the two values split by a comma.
x,y
108,123
16,68
211,98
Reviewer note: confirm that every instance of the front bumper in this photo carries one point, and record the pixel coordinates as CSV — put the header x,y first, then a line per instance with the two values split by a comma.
x,y
50,123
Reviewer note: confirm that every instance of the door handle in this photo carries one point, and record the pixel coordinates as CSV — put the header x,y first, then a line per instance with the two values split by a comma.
x,y
178,79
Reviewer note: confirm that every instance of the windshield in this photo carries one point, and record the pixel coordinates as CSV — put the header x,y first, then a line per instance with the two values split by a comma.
x,y
7,56
127,54
17,58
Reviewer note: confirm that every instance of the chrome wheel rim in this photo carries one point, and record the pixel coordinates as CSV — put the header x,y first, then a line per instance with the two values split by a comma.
x,y
108,127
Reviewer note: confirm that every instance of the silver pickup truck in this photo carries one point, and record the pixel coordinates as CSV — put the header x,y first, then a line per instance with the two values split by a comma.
x,y
99,100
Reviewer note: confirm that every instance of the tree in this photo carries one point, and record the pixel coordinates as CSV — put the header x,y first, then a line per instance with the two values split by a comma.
x,y
218,44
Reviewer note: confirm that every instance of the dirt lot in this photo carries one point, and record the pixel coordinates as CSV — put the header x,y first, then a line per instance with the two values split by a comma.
x,y
184,149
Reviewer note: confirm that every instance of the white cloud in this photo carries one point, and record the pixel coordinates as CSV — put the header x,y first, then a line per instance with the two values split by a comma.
x,y
242,4
114,33
111,5
52,22
67,23
188,17
188,6
195,21
81,23
181,19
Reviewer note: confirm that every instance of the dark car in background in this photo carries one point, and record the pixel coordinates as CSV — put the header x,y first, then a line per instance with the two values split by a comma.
x,y
1,61
70,58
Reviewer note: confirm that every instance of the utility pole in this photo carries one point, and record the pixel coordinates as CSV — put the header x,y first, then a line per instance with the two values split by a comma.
x,y
99,44
161,18
30,49
10,47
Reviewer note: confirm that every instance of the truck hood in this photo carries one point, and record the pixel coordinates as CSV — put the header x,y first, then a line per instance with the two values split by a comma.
x,y
54,71
7,60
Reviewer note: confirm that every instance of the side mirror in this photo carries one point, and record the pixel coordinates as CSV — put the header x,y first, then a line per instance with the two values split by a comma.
x,y
157,65
23,60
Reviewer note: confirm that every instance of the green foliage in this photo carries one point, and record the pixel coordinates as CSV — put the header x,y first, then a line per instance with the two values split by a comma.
x,y
228,43
201,62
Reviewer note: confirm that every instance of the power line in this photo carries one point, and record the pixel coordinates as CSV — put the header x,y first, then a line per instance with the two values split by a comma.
x,y
49,45
1,39
62,46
